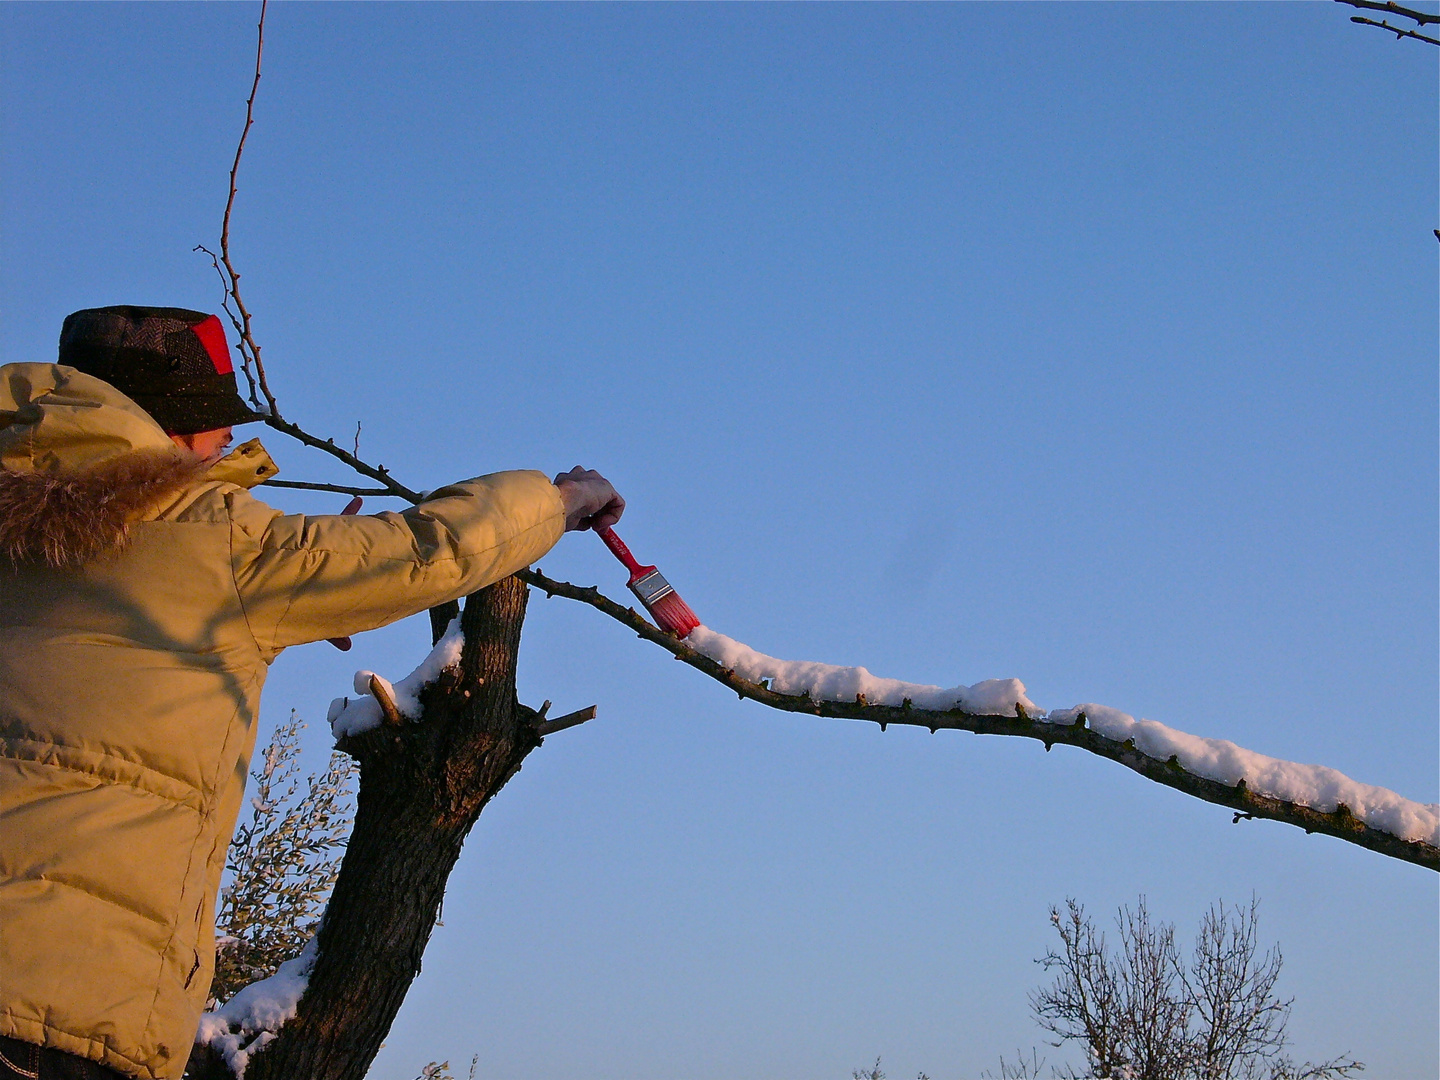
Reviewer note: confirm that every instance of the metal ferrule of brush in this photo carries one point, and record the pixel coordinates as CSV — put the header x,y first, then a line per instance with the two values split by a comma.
x,y
651,587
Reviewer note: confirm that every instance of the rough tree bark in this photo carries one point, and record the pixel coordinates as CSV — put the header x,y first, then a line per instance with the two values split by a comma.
x,y
422,787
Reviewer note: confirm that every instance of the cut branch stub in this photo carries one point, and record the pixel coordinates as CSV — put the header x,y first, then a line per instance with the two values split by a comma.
x,y
569,720
387,704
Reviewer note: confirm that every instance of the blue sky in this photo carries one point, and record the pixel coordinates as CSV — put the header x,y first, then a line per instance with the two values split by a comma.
x,y
1093,345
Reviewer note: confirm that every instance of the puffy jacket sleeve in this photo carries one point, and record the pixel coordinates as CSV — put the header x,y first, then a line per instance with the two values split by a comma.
x,y
302,578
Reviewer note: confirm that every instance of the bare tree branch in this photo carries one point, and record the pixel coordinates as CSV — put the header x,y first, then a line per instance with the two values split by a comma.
x,y
388,708
249,350
1422,18
1340,823
375,472
251,362
235,322
339,489
1397,31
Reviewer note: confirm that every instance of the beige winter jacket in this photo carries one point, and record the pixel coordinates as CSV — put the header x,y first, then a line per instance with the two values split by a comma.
x,y
141,601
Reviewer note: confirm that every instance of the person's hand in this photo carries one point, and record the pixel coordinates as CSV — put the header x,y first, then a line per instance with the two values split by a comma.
x,y
590,501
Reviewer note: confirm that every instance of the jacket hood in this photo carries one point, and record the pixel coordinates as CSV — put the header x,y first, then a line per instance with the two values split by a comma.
x,y
80,461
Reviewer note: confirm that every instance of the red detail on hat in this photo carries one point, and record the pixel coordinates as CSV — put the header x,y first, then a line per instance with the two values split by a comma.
x,y
212,336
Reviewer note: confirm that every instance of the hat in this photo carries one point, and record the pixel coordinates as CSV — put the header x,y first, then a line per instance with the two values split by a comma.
x,y
173,363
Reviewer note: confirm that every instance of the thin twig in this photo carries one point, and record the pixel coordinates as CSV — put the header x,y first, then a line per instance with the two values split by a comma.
x,y
250,360
339,489
1341,823
234,321
243,324
1423,18
1397,31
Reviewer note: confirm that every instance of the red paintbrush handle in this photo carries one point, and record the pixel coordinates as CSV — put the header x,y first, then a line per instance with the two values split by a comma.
x,y
620,551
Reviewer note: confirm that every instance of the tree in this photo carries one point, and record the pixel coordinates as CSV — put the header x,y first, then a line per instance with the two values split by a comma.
x,y
1144,1013
423,784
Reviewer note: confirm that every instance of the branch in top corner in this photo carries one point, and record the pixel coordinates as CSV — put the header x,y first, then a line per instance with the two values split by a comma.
x,y
1422,18
251,363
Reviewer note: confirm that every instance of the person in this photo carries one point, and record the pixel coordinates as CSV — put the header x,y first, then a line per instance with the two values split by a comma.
x,y
143,594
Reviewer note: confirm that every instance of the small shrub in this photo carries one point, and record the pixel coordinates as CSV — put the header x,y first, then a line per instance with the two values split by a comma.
x,y
281,864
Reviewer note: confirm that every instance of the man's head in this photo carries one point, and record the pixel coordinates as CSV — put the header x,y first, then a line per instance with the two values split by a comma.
x,y
172,362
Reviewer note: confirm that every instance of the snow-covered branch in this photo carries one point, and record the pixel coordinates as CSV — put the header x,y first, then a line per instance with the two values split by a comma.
x,y
1312,797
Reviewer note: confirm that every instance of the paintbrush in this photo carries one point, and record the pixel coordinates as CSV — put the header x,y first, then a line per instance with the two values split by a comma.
x,y
663,603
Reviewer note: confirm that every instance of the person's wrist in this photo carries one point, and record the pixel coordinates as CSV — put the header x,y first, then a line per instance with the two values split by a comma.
x,y
572,503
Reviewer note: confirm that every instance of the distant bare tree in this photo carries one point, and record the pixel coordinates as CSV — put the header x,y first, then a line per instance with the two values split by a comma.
x,y
874,1072
440,1070
1021,1070
1144,1014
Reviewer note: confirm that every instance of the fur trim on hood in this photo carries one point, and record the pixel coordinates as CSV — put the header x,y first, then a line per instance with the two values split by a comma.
x,y
67,519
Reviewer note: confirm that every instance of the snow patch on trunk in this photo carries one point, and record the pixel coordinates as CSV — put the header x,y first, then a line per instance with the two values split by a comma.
x,y
351,716
250,1020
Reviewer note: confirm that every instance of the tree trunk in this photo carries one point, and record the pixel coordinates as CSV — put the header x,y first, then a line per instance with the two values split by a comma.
x,y
422,786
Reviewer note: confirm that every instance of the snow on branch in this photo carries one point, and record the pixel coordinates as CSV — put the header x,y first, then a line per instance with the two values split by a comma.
x,y
826,682
1316,786
1312,797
